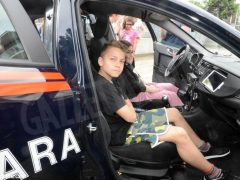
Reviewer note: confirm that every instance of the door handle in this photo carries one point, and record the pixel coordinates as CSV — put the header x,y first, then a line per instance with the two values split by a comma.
x,y
170,51
91,128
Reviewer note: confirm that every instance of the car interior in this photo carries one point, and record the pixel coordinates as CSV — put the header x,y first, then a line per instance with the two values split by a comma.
x,y
128,158
192,75
210,91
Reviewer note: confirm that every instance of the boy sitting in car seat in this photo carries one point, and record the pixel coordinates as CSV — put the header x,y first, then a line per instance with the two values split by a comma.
x,y
138,90
121,117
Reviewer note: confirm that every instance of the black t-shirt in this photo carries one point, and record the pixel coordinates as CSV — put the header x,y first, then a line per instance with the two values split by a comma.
x,y
130,82
111,98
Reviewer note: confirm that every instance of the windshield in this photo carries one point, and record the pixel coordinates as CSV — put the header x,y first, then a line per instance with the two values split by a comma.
x,y
171,39
209,44
206,42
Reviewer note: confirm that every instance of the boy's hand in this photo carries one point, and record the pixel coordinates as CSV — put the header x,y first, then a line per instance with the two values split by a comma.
x,y
151,89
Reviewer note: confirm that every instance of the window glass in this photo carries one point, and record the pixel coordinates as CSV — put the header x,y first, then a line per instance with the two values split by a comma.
x,y
172,40
166,37
209,44
44,26
10,45
88,20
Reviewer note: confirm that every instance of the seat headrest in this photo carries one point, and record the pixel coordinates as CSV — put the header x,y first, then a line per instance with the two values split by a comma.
x,y
100,27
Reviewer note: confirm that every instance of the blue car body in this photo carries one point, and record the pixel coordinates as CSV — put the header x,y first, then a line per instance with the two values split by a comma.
x,y
49,110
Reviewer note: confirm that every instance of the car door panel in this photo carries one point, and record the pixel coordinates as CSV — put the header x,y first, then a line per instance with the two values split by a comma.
x,y
39,128
37,108
162,57
27,32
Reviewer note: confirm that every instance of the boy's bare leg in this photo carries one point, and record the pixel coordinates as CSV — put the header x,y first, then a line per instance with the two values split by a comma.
x,y
186,148
175,116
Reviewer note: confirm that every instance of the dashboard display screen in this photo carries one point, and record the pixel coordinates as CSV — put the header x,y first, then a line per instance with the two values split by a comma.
x,y
214,81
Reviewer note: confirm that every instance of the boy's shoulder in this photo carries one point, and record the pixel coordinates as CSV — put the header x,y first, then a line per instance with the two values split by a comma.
x,y
102,83
99,78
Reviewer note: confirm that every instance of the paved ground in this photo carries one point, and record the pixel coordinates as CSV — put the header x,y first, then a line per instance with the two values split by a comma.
x,y
144,66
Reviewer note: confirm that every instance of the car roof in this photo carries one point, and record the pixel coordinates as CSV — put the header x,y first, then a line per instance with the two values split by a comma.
x,y
152,10
184,12
35,9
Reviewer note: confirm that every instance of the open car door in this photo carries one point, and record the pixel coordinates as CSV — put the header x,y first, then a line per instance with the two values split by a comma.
x,y
39,128
165,45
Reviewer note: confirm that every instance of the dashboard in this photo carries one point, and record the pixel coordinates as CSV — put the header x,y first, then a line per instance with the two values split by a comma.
x,y
212,79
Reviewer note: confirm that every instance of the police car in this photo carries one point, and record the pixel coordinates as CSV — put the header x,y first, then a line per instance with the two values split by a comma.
x,y
51,126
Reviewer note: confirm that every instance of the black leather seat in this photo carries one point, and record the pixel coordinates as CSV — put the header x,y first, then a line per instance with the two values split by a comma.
x,y
100,31
140,159
137,159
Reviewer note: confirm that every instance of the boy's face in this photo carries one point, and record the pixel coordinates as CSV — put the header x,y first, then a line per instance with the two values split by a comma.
x,y
111,63
130,55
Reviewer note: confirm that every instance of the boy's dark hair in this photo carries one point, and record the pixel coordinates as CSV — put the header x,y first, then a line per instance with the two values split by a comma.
x,y
114,43
126,43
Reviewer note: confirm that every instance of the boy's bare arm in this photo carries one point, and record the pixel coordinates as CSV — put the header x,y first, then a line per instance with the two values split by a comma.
x,y
127,112
129,103
151,88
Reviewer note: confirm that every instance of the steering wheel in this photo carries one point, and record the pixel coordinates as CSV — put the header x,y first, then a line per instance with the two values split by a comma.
x,y
177,60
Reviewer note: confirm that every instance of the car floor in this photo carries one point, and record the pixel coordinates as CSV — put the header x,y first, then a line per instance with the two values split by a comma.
x,y
228,163
231,162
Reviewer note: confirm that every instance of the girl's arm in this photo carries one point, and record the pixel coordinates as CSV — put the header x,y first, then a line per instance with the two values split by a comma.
x,y
135,44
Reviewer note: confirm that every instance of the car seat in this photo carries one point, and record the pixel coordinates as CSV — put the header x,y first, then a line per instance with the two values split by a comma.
x,y
139,160
129,159
100,31
102,34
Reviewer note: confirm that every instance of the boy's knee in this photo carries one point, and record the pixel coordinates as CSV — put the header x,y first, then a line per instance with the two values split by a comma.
x,y
173,111
176,111
181,133
173,114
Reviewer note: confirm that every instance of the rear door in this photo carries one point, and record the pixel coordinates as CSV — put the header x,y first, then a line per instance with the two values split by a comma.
x,y
39,128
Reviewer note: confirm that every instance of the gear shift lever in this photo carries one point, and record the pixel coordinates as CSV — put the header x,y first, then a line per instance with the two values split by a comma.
x,y
165,101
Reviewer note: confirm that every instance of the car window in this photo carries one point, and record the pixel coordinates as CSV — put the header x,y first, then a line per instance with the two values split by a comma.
x,y
87,21
10,45
44,26
167,38
209,44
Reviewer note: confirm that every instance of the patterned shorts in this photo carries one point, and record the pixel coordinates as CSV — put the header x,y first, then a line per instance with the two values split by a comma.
x,y
148,127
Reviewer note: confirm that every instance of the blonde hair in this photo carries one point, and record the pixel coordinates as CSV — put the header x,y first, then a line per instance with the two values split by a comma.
x,y
128,18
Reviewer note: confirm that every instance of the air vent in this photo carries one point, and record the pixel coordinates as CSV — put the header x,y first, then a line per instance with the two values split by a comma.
x,y
237,96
